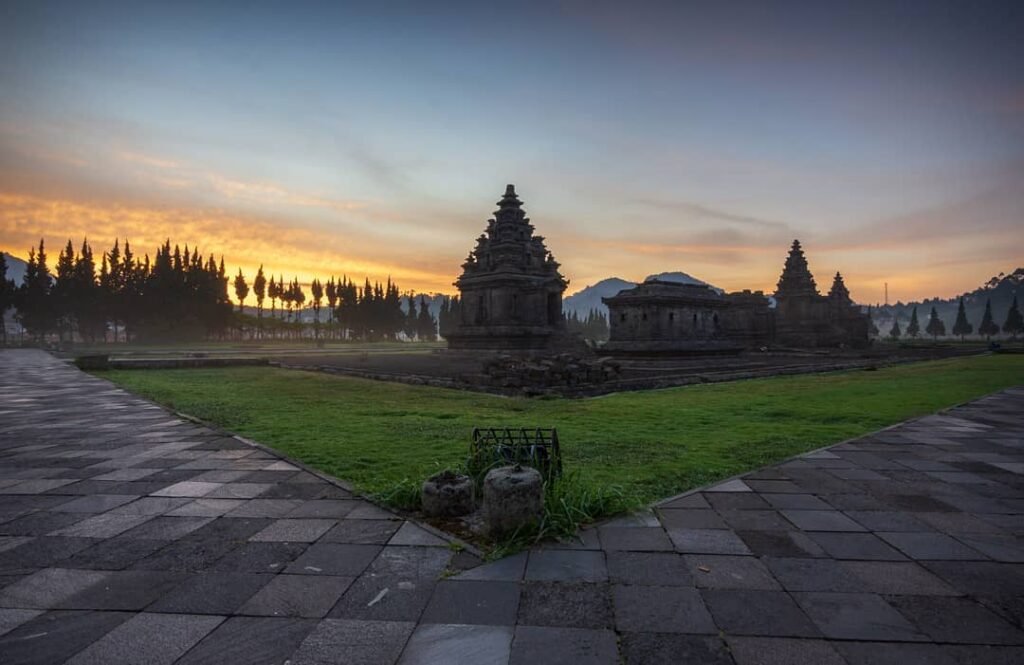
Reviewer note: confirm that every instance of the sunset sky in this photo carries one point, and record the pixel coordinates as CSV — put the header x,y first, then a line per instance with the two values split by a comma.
x,y
375,138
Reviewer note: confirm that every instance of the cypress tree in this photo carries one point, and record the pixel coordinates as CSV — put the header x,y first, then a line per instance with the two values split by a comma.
x,y
1014,324
962,326
935,325
913,328
259,287
894,332
241,289
872,328
988,326
411,318
427,327
317,290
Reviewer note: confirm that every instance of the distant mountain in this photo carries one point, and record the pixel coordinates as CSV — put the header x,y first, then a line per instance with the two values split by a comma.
x,y
15,268
679,277
999,289
589,298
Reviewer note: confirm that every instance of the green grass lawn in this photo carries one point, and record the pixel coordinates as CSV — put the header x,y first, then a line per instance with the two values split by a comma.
x,y
624,449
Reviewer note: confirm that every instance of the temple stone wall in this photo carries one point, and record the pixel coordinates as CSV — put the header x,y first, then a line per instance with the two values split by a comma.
x,y
658,316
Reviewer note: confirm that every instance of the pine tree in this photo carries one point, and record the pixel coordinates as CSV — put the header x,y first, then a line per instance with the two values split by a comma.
x,y
962,326
935,325
86,306
63,292
913,328
894,332
988,326
35,309
1014,324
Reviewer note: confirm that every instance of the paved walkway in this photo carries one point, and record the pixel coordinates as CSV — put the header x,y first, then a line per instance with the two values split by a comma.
x,y
131,536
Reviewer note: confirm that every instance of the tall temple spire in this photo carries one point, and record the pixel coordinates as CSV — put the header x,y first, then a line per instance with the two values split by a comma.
x,y
508,243
510,286
796,279
839,291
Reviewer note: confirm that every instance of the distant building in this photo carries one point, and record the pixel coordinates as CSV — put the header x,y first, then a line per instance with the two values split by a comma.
x,y
805,318
670,317
510,287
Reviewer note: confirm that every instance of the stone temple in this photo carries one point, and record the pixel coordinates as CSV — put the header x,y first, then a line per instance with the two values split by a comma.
x,y
510,287
668,317
803,317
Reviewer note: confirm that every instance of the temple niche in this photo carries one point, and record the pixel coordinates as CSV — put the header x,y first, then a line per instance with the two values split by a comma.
x,y
805,318
510,287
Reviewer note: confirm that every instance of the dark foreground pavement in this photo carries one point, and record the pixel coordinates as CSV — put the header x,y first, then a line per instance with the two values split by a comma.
x,y
128,535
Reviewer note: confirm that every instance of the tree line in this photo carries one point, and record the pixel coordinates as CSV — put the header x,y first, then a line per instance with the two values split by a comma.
x,y
183,295
1013,324
593,326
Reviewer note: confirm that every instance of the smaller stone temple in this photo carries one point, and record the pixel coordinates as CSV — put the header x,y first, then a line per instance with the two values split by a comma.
x,y
803,317
510,287
668,317
671,317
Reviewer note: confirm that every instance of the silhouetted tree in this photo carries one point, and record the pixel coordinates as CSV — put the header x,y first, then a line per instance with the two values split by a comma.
x,y
962,326
935,325
274,291
894,332
241,290
35,310
63,291
411,318
259,287
7,295
913,328
317,290
86,304
426,328
988,326
1014,324
872,328
331,289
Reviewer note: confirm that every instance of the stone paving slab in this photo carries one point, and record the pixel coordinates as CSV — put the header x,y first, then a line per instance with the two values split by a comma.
x,y
128,534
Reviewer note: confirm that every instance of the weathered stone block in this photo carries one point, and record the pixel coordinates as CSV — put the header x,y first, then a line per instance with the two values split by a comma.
x,y
513,497
447,494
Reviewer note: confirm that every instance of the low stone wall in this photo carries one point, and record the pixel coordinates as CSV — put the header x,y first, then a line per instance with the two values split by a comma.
x,y
182,363
486,384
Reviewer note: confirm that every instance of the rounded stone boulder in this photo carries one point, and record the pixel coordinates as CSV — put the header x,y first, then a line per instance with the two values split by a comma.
x,y
513,498
447,494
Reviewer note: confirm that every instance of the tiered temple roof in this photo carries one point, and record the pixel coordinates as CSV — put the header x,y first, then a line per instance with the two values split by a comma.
x,y
508,245
839,292
796,279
